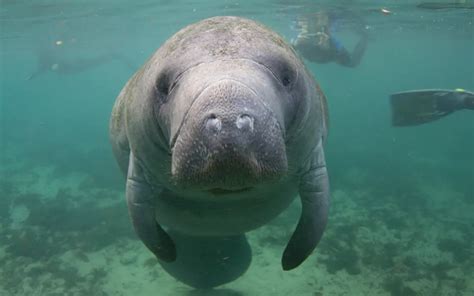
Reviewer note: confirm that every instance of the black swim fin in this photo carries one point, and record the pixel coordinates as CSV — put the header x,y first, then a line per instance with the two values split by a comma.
x,y
445,5
421,106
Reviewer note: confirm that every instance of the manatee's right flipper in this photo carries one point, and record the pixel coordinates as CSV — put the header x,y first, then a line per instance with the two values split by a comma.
x,y
314,193
210,261
141,206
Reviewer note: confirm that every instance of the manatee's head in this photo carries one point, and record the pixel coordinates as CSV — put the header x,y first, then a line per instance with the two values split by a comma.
x,y
231,136
228,94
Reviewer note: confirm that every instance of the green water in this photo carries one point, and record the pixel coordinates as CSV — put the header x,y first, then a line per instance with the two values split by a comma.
x,y
401,219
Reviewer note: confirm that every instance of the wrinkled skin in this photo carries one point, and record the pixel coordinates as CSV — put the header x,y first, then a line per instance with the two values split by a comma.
x,y
217,133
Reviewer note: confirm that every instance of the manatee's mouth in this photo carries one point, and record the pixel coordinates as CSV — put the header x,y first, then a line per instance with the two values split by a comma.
x,y
224,191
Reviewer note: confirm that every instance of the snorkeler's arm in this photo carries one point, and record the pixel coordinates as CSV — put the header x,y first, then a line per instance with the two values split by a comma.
x,y
343,57
359,51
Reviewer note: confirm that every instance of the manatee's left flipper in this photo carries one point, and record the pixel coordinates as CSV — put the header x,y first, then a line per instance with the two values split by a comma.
x,y
141,206
314,193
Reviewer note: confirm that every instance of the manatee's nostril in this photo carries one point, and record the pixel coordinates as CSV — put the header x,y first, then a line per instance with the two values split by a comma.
x,y
213,123
244,122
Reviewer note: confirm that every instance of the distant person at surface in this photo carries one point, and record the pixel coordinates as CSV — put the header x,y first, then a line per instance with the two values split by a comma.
x,y
317,42
64,60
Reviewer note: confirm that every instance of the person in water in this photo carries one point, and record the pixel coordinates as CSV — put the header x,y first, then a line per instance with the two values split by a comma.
x,y
53,57
318,43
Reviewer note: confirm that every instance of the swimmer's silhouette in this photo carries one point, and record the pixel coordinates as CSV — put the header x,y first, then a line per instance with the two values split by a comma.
x,y
53,59
317,41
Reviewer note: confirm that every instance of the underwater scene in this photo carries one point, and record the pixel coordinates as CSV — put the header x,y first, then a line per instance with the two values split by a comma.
x,y
243,205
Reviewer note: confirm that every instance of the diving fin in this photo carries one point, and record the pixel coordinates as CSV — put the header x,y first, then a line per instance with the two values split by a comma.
x,y
445,5
421,106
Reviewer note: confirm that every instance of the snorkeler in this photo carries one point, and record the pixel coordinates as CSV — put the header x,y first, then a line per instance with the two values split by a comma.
x,y
421,106
317,42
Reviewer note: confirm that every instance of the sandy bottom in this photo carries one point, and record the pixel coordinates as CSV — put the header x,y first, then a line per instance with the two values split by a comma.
x,y
61,234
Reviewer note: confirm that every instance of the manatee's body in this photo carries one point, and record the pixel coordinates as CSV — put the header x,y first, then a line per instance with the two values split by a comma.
x,y
217,133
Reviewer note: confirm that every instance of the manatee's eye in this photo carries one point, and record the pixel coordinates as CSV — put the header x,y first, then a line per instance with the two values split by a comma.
x,y
282,67
284,71
162,85
286,80
287,75
165,83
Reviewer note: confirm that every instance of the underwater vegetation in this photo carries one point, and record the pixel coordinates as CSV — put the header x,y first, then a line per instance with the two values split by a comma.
x,y
62,225
77,239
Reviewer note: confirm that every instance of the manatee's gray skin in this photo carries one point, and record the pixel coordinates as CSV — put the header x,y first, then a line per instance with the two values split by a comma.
x,y
217,133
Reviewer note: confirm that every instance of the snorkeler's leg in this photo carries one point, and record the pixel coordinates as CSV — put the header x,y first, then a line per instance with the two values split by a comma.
x,y
344,58
469,101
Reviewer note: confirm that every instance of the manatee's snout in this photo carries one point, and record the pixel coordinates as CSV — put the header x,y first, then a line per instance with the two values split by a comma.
x,y
230,139
243,122
233,130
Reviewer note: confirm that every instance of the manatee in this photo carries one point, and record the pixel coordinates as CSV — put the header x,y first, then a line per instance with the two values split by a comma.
x,y
217,133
